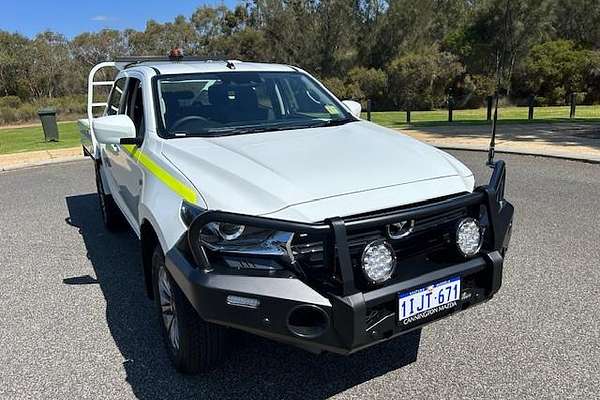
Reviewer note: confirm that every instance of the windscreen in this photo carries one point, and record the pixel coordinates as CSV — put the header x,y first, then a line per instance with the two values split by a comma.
x,y
215,104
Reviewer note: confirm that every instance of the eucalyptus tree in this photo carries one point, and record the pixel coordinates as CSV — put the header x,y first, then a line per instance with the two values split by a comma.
x,y
12,67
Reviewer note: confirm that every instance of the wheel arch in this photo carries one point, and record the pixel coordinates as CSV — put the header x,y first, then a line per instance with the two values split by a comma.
x,y
160,222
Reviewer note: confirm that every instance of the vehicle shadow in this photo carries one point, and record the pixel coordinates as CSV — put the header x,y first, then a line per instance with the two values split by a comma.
x,y
254,367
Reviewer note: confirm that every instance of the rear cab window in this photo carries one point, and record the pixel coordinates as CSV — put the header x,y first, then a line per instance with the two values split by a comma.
x,y
116,97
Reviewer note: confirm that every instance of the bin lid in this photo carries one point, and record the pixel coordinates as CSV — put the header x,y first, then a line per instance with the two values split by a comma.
x,y
47,111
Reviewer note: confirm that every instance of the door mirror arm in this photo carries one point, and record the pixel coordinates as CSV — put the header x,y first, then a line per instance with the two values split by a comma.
x,y
136,141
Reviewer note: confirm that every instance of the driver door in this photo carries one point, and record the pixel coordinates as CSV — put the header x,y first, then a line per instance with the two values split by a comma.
x,y
126,169
110,153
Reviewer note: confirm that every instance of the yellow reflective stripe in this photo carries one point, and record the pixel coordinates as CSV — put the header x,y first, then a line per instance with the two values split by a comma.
x,y
187,193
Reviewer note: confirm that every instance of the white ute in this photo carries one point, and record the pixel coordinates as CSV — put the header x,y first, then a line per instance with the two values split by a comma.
x,y
264,203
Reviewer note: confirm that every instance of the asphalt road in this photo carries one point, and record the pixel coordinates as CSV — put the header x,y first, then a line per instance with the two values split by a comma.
x,y
74,322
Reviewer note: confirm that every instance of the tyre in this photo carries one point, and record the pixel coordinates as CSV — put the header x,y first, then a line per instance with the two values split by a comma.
x,y
193,344
111,215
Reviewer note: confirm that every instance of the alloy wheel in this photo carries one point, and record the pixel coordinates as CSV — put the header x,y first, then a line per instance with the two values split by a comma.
x,y
167,306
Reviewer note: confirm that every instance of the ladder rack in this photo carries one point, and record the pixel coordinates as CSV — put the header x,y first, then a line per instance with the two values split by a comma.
x,y
91,105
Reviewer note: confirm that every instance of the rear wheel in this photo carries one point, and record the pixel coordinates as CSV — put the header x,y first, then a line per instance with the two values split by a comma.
x,y
193,344
111,215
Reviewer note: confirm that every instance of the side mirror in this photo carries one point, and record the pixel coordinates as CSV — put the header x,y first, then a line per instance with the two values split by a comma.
x,y
113,128
354,107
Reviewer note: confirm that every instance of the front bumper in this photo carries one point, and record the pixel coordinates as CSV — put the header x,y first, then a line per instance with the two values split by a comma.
x,y
348,327
351,319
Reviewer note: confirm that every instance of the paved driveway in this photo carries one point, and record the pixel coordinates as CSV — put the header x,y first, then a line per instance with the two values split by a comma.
x,y
74,322
573,140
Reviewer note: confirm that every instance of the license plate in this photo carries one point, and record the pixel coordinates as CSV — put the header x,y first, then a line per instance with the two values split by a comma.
x,y
426,301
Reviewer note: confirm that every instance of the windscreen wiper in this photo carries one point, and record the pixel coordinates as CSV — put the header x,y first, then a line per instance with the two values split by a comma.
x,y
230,131
256,129
333,122
244,130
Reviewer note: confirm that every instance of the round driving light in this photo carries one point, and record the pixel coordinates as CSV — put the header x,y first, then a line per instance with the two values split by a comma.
x,y
468,237
230,231
378,261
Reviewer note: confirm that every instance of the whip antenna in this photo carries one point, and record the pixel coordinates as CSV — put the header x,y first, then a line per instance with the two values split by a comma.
x,y
492,148
499,71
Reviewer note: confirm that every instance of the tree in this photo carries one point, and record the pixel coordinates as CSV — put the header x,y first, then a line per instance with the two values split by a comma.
x,y
578,21
230,33
335,36
91,48
500,36
290,30
405,27
47,60
12,49
159,39
377,49
371,82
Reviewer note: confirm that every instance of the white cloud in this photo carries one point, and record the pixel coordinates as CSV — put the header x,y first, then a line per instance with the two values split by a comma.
x,y
102,18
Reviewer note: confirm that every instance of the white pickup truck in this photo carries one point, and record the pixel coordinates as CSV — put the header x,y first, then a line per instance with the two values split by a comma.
x,y
263,203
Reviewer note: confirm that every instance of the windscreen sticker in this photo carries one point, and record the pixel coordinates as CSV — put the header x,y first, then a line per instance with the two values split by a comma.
x,y
331,109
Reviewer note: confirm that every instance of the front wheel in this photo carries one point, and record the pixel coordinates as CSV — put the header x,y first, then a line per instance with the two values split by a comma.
x,y
193,344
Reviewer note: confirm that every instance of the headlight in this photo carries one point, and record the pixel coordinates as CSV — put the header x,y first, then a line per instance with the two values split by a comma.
x,y
378,261
243,245
469,237
242,240
228,231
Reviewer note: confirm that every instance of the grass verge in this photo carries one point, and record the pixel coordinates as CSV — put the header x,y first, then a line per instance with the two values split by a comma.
x,y
19,140
506,115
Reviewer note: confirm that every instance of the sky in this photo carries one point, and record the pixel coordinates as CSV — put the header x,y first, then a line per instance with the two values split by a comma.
x,y
71,17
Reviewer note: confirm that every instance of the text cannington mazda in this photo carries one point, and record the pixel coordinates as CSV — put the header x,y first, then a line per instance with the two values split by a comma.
x,y
264,203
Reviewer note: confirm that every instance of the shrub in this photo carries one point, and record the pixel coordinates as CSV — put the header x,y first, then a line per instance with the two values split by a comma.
x,y
557,95
8,115
580,97
473,90
10,101
420,80
484,85
556,68
371,82
341,89
27,112
71,104
335,86
13,110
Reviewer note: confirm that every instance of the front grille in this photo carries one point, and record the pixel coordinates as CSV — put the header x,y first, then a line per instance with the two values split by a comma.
x,y
432,239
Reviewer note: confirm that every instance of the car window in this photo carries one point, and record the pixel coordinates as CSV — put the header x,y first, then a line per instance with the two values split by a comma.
x,y
114,103
241,102
134,105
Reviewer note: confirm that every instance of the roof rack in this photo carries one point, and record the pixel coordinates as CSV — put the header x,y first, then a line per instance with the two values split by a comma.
x,y
133,60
